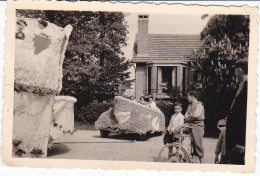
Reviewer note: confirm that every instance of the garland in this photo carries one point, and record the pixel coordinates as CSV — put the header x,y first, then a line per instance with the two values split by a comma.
x,y
34,89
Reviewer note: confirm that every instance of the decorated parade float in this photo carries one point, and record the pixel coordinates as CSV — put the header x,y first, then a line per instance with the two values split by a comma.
x,y
128,116
39,53
62,123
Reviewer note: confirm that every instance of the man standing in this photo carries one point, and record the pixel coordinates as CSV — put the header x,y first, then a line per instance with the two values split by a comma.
x,y
236,120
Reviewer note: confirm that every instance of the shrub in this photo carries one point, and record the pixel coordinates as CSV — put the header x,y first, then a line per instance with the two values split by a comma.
x,y
167,108
90,113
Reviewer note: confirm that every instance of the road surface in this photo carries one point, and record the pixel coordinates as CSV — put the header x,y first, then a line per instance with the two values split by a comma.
x,y
88,145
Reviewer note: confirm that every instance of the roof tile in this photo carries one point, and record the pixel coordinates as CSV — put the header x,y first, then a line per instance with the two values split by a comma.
x,y
172,46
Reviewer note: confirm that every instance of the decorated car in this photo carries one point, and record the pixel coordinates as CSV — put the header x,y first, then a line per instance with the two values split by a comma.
x,y
128,116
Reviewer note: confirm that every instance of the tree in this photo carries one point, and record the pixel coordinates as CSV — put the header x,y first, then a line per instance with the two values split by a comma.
x,y
113,74
93,67
226,39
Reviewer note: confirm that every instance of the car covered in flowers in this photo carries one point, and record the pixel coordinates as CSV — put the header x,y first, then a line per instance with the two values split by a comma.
x,y
127,116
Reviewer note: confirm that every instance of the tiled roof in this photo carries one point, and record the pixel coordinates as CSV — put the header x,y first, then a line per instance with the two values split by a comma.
x,y
171,47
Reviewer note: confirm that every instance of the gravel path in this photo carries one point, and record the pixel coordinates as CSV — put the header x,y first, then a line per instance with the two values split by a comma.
x,y
88,145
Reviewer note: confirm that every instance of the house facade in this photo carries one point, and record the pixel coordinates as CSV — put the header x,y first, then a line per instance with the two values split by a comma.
x,y
162,59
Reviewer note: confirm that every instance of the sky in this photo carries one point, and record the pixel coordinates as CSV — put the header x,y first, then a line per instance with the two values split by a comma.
x,y
163,24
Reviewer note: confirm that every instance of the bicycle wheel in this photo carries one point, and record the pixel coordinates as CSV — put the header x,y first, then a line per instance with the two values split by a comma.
x,y
179,155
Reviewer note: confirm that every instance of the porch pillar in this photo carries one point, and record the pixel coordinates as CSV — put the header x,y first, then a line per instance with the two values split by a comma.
x,y
186,79
179,76
146,81
174,76
159,79
154,75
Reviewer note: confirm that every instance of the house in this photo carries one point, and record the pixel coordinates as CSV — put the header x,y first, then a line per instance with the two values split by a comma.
x,y
163,59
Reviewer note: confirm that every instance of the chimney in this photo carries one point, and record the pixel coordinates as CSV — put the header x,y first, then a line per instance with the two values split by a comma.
x,y
142,37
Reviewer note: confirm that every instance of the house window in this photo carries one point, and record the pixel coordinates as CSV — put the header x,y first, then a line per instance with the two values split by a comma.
x,y
135,48
166,78
167,75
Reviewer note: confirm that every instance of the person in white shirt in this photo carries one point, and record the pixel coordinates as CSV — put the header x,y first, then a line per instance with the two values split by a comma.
x,y
152,104
176,122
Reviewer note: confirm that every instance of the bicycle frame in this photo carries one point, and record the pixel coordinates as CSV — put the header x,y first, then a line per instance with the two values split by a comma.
x,y
180,147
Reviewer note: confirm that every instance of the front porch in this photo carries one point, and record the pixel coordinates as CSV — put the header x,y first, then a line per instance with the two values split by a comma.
x,y
157,94
154,79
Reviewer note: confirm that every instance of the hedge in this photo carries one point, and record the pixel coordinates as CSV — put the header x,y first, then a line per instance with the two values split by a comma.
x,y
90,113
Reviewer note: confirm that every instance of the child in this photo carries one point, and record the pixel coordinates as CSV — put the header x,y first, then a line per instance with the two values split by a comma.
x,y
142,101
177,120
221,144
151,104
195,118
132,98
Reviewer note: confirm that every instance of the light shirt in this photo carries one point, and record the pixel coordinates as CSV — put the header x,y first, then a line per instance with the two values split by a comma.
x,y
176,121
142,102
152,105
195,113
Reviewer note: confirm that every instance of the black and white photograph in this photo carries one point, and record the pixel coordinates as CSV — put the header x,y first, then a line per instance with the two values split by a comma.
x,y
154,87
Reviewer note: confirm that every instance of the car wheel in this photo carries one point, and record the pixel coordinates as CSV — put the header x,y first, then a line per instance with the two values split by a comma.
x,y
104,133
142,137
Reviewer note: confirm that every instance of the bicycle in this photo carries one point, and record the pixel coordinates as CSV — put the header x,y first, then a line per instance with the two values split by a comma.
x,y
183,149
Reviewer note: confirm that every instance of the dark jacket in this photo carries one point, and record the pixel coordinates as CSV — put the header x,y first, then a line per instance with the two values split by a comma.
x,y
236,121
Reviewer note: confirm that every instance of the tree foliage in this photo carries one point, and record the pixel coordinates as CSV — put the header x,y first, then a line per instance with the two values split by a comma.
x,y
93,67
226,39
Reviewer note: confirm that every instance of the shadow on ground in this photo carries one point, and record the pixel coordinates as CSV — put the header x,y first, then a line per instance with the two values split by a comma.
x,y
128,136
161,159
119,136
58,149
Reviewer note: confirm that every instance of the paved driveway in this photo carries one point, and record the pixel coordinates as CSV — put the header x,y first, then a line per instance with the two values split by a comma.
x,y
86,144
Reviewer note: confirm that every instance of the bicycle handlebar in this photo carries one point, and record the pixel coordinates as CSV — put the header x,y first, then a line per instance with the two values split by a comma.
x,y
187,127
184,127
